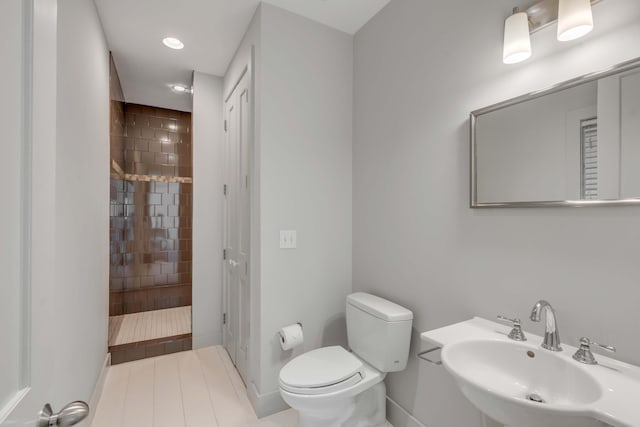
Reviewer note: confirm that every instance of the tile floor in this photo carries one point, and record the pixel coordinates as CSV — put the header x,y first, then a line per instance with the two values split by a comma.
x,y
149,325
198,388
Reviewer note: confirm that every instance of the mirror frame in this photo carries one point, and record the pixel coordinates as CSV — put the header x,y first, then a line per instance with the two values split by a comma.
x,y
616,69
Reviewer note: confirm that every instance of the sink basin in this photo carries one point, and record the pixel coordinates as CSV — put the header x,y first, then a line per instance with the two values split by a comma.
x,y
522,385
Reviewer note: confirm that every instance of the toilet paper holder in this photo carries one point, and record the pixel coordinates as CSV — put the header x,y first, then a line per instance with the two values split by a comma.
x,y
290,338
297,323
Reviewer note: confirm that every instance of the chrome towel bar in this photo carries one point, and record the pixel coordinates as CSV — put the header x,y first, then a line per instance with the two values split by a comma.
x,y
422,356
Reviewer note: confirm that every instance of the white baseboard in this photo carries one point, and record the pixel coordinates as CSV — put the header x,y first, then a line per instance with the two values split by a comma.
x,y
400,417
97,392
265,404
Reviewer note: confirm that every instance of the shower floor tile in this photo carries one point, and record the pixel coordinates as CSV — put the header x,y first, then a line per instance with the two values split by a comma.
x,y
149,325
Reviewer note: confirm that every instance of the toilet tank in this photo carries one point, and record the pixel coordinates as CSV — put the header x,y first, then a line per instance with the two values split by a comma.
x,y
379,331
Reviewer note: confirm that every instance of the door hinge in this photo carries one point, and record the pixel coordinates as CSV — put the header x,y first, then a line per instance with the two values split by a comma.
x,y
225,125
224,318
224,254
224,189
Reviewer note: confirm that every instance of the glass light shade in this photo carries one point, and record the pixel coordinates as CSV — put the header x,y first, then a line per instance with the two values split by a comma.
x,y
575,19
517,43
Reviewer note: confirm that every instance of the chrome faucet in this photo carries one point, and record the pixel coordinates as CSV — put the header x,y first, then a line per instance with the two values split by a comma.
x,y
551,335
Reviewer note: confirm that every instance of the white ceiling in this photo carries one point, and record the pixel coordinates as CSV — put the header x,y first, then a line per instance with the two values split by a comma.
x,y
345,15
211,31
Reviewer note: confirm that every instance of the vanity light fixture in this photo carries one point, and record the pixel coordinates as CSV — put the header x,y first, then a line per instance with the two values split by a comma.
x,y
172,43
517,42
574,18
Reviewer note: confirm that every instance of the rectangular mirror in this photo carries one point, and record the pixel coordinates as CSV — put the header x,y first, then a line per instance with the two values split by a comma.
x,y
575,144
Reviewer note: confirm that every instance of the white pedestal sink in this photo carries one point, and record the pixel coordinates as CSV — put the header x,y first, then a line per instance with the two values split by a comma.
x,y
521,384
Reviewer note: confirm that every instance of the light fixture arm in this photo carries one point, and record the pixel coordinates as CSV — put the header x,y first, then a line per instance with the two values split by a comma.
x,y
544,13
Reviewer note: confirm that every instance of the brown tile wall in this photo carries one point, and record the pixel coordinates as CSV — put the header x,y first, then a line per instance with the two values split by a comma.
x,y
158,142
116,143
151,219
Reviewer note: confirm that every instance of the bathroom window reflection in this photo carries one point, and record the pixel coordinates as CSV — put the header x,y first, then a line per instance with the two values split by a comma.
x,y
589,159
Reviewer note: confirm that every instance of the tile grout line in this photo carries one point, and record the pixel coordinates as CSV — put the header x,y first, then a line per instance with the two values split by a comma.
x,y
147,327
153,393
127,328
208,386
126,392
184,414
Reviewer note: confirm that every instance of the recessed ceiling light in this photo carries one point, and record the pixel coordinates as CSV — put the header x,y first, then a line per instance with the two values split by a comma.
x,y
173,43
180,88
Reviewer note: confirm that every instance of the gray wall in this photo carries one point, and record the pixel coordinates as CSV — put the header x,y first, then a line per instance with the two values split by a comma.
x,y
305,179
302,86
420,68
81,206
208,179
11,108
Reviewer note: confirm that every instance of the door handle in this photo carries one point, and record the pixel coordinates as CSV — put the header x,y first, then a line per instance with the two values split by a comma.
x,y
233,263
68,416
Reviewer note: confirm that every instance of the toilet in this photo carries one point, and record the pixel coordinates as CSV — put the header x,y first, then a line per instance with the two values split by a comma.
x,y
332,387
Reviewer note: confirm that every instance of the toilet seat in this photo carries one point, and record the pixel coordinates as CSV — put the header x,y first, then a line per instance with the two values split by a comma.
x,y
321,371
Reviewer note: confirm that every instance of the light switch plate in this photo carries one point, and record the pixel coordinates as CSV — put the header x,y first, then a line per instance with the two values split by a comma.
x,y
288,239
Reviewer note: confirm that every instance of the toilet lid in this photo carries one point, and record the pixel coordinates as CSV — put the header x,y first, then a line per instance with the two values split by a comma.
x,y
320,368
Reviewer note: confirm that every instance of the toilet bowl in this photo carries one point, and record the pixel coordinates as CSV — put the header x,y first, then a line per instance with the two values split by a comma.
x,y
332,387
325,386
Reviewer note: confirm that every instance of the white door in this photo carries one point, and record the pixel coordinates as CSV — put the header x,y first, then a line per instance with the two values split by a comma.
x,y
230,265
27,117
237,225
244,138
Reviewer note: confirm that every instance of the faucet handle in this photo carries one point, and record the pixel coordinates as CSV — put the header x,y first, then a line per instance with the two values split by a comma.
x,y
516,333
584,354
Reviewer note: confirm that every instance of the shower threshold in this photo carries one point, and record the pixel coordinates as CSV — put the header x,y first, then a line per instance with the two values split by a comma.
x,y
150,333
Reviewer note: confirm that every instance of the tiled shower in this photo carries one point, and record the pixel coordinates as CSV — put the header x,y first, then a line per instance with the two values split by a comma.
x,y
151,229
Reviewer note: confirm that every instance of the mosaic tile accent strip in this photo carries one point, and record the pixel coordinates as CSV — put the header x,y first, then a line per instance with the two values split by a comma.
x,y
156,178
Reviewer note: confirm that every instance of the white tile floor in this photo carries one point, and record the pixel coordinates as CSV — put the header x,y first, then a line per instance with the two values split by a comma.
x,y
199,388
149,325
